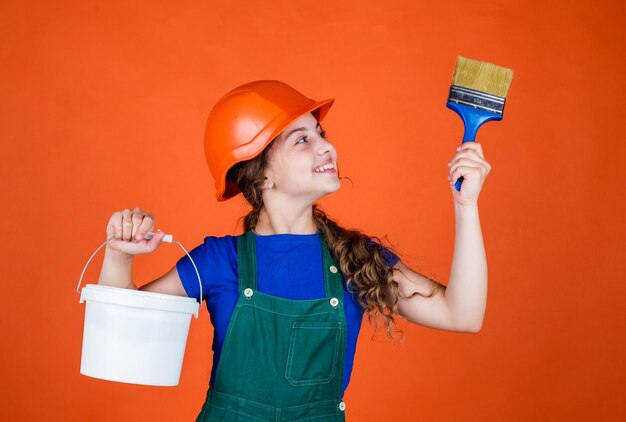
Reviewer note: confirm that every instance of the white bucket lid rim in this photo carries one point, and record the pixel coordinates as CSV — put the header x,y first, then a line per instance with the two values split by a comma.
x,y
139,299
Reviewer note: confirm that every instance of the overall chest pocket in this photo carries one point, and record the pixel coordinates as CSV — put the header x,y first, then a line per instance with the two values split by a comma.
x,y
313,352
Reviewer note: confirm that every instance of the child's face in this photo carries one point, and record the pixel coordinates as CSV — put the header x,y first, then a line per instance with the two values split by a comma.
x,y
302,163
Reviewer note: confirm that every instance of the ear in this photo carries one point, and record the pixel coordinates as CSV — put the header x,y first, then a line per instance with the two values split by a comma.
x,y
269,174
267,184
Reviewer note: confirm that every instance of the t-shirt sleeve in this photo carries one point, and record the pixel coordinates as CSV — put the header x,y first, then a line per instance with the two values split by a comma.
x,y
388,256
215,260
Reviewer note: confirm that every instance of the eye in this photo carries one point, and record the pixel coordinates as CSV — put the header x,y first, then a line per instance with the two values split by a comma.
x,y
323,134
302,140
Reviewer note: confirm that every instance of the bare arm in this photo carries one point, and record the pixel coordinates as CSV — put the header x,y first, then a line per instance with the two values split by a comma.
x,y
461,305
169,283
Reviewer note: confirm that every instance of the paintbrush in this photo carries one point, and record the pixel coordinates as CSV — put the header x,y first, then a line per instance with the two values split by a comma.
x,y
477,94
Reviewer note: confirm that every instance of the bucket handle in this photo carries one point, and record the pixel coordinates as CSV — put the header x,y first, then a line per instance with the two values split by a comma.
x,y
168,239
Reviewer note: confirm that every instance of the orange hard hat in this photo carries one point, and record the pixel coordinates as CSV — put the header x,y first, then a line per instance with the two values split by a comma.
x,y
246,120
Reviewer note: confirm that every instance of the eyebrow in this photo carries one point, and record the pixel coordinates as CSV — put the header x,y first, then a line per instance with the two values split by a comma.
x,y
291,132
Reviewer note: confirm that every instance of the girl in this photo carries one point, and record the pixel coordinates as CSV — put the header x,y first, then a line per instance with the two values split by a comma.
x,y
286,298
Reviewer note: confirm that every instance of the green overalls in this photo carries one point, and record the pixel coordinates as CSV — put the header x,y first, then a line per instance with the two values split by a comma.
x,y
282,359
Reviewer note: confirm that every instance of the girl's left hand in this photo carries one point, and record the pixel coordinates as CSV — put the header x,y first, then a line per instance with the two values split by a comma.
x,y
470,163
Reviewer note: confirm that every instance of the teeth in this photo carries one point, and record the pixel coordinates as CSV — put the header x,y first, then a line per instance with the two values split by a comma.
x,y
324,167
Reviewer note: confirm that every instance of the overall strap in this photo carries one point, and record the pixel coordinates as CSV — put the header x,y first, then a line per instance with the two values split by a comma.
x,y
333,281
246,261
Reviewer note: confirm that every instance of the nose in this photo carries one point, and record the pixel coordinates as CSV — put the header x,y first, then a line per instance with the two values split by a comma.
x,y
325,147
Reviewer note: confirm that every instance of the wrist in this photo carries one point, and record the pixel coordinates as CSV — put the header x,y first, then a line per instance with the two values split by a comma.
x,y
468,207
117,255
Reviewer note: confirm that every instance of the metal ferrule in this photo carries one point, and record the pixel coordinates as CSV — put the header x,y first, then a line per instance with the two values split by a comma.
x,y
476,99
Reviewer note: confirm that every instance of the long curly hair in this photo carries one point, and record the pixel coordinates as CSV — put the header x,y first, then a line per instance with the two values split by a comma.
x,y
360,260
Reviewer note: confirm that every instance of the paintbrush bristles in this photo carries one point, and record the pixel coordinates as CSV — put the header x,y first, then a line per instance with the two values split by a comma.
x,y
481,76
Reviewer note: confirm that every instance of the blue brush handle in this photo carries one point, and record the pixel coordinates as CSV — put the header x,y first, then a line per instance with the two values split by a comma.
x,y
473,119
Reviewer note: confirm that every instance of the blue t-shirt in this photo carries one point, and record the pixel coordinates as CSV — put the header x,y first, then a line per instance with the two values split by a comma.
x,y
288,266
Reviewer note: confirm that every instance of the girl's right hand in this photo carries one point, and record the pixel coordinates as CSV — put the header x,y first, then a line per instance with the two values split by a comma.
x,y
129,228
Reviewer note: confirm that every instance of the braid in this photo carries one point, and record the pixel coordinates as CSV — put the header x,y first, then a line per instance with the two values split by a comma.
x,y
364,268
251,219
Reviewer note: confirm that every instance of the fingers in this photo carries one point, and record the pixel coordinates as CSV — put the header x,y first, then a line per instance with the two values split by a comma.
x,y
468,169
114,228
472,146
111,227
129,228
137,218
469,158
154,243
464,166
146,225
127,224
471,150
470,164
130,225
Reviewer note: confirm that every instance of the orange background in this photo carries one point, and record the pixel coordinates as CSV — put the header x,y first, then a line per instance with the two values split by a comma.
x,y
103,107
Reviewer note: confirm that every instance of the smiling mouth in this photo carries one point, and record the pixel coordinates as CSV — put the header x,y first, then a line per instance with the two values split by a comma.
x,y
324,167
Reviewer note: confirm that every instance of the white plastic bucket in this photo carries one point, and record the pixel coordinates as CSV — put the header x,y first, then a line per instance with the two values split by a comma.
x,y
134,336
